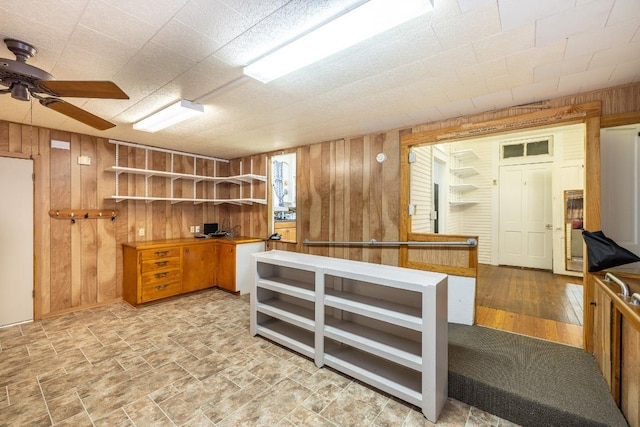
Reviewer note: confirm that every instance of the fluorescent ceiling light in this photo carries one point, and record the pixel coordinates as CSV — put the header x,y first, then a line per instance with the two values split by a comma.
x,y
169,116
368,20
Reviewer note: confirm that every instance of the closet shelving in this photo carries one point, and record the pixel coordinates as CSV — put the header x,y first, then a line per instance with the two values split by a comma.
x,y
195,177
459,173
384,325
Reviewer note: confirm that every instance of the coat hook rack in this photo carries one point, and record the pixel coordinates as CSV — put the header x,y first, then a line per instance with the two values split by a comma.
x,y
74,214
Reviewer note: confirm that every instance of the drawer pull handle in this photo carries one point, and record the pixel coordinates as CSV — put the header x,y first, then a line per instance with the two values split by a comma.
x,y
161,287
162,253
162,263
165,274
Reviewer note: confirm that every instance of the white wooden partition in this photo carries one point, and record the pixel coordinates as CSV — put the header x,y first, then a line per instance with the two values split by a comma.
x,y
384,325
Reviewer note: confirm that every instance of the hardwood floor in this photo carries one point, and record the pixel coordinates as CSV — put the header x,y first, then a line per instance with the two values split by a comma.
x,y
530,302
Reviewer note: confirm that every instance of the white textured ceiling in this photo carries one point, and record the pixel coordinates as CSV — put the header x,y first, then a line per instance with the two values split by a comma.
x,y
466,56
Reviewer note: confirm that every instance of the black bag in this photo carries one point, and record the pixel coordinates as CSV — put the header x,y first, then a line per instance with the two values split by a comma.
x,y
603,253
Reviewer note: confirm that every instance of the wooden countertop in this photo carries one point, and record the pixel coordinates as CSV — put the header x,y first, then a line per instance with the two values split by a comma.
x,y
191,240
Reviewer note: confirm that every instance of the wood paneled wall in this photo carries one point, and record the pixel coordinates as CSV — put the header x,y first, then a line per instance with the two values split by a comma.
x,y
343,194
79,265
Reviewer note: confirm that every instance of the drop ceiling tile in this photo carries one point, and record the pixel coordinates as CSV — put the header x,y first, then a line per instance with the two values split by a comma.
x,y
55,13
482,70
626,73
514,13
114,23
509,80
607,37
467,27
572,21
92,44
505,43
562,68
467,5
445,63
255,10
587,80
493,101
623,10
619,54
278,28
212,18
457,108
534,92
183,40
154,12
17,27
528,59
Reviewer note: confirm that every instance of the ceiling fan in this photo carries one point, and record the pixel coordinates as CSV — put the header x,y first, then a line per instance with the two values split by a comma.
x,y
24,81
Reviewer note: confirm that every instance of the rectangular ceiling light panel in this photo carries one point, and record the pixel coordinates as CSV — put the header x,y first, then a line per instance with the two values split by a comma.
x,y
169,116
366,21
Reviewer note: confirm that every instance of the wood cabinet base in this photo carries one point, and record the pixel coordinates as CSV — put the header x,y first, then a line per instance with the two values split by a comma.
x,y
159,269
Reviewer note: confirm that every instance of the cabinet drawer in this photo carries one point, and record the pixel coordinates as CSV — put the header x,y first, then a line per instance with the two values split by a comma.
x,y
153,254
159,264
154,277
160,290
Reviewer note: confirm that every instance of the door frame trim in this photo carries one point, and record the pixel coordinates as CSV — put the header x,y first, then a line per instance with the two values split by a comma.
x,y
587,113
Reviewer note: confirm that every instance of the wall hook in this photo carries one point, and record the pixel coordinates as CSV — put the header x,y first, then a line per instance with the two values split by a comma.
x,y
86,216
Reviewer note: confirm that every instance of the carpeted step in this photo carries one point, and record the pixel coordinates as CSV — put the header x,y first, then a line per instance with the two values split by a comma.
x,y
528,381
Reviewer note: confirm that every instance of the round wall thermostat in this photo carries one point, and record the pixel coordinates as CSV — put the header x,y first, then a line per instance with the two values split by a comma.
x,y
381,157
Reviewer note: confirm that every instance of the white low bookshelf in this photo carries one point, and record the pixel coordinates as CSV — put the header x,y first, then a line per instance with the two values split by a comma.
x,y
383,325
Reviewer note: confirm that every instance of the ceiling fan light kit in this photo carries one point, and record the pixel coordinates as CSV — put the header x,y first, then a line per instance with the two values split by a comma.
x,y
169,116
23,81
371,18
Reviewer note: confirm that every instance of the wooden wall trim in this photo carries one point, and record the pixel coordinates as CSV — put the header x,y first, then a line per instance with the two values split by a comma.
x,y
620,119
543,118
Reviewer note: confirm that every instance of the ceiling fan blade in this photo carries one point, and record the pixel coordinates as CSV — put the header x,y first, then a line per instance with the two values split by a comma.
x,y
76,113
83,89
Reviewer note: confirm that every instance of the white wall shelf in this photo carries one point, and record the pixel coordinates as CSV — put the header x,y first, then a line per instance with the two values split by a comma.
x,y
462,203
463,188
465,155
243,178
384,325
464,171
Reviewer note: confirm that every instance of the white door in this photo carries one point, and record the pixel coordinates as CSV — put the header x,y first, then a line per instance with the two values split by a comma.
x,y
525,216
620,186
16,241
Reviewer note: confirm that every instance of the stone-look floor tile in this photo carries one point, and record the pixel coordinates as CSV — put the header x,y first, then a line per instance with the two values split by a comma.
x,y
81,419
199,420
117,418
25,413
4,397
268,408
301,416
392,415
345,411
144,412
453,414
65,406
322,397
218,410
273,371
478,418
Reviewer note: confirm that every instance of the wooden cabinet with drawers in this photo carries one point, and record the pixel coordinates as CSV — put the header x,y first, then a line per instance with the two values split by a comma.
x,y
158,269
286,229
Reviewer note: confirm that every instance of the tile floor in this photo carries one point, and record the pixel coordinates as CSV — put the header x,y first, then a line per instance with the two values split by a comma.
x,y
189,361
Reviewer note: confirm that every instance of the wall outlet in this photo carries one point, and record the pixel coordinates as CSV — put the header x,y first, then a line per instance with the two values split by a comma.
x,y
192,229
140,231
197,228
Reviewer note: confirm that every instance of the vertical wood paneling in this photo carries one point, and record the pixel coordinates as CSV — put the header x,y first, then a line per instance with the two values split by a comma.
x,y
106,235
341,192
42,226
76,228
89,200
61,261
